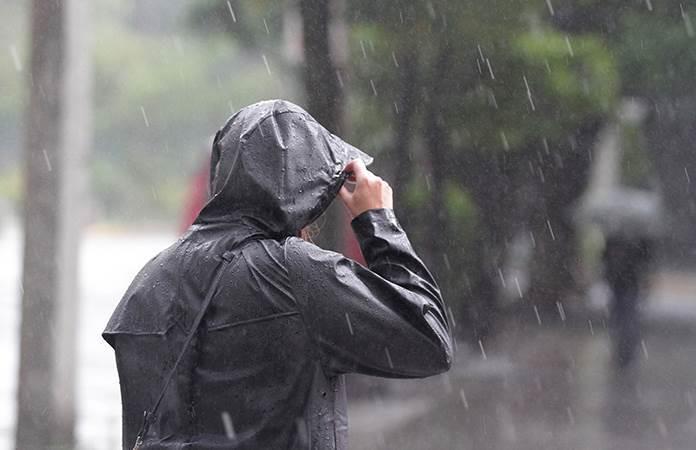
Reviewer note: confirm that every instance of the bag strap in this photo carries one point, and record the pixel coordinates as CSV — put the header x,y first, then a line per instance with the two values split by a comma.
x,y
225,259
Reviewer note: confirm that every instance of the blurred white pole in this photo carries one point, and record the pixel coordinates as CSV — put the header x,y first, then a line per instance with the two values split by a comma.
x,y
77,137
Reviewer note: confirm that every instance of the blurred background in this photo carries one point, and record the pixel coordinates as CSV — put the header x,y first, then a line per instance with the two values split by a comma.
x,y
541,155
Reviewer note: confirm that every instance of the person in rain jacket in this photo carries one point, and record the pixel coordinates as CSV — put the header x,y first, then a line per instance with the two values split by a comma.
x,y
286,319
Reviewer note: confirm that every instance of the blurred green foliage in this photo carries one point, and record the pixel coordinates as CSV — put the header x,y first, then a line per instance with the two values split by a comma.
x,y
160,91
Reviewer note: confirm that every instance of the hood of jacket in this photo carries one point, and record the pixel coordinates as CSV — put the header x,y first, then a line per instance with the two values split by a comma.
x,y
275,169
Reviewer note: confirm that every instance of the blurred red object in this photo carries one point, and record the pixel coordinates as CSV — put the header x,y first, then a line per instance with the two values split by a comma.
x,y
196,197
350,246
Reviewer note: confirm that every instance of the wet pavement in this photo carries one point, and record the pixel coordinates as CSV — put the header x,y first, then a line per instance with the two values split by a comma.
x,y
543,387
538,387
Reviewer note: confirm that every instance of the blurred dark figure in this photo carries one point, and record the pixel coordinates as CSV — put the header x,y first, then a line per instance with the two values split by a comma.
x,y
623,201
626,267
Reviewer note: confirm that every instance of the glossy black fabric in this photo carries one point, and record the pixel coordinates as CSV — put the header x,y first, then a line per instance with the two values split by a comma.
x,y
288,318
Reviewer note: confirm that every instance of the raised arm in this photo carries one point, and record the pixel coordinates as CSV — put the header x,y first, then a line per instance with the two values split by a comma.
x,y
387,319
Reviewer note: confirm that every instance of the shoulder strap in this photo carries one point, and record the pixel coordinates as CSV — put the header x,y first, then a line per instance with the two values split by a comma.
x,y
225,259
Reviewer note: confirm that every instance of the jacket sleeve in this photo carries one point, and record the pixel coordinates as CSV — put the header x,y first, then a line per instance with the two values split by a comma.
x,y
388,319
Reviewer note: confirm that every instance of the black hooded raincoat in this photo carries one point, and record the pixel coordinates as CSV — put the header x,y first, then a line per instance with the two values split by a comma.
x,y
287,318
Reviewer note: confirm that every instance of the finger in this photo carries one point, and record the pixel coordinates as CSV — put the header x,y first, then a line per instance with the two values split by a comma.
x,y
357,167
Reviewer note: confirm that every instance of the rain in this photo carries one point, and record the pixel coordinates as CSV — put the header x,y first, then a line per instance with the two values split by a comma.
x,y
539,155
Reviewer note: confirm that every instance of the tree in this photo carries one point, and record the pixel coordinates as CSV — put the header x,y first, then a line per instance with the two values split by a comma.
x,y
36,408
56,137
498,95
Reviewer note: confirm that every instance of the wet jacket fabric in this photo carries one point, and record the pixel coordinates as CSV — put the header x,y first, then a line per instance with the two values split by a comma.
x,y
288,319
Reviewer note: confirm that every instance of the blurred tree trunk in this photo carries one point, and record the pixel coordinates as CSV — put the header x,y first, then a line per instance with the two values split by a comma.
x,y
475,305
491,181
405,111
323,92
36,412
46,408
438,148
322,44
555,257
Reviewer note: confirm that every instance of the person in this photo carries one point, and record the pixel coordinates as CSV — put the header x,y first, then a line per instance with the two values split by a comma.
x,y
240,333
623,203
627,264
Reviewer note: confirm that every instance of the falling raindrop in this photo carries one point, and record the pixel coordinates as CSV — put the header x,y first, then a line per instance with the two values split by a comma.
x,y
644,348
589,323
571,416
506,144
265,25
686,172
374,89
550,7
661,426
502,277
15,58
447,262
648,3
229,7
687,21
519,289
483,352
142,111
490,69
350,326
493,100
396,63
227,424
570,47
536,313
462,395
265,62
389,358
529,93
48,161
561,311
548,224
